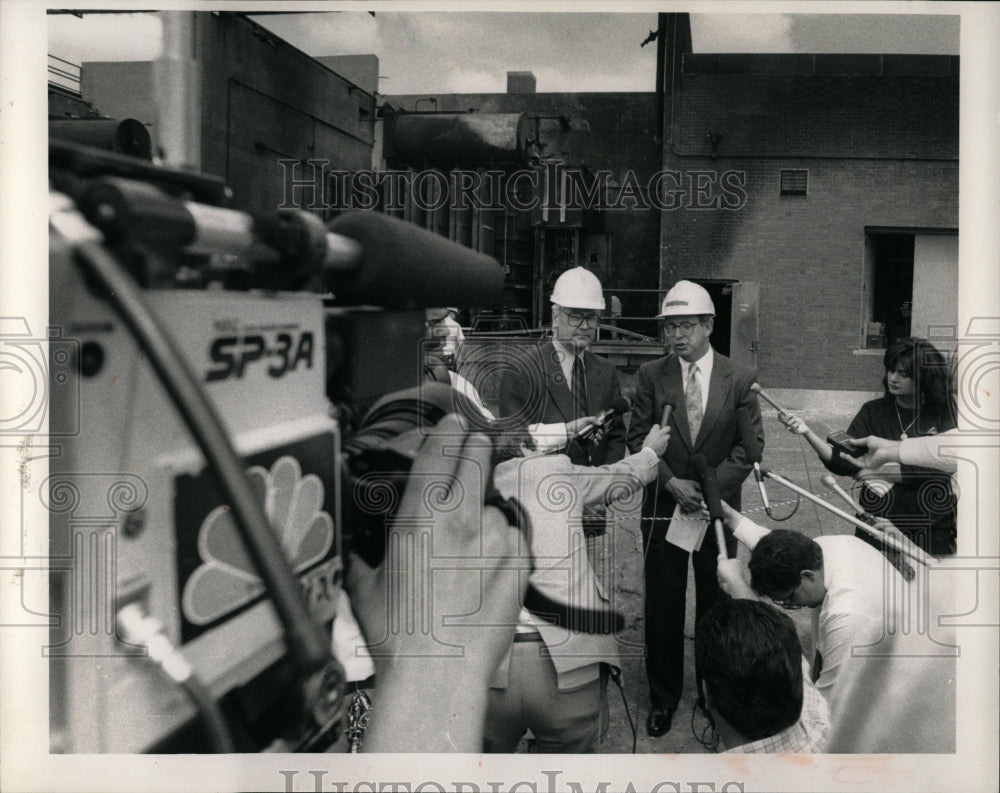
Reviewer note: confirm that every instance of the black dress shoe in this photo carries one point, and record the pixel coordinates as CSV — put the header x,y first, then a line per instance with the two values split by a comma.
x,y
658,721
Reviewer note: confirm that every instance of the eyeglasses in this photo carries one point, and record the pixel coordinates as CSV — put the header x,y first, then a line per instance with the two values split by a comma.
x,y
686,328
785,600
576,320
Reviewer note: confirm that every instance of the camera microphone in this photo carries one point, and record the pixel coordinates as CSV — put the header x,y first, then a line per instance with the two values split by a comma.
x,y
619,405
404,265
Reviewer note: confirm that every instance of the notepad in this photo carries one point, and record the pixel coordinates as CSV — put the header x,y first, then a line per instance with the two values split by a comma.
x,y
687,529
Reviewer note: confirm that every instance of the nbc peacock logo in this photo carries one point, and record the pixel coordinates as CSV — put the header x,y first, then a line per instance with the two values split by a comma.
x,y
227,579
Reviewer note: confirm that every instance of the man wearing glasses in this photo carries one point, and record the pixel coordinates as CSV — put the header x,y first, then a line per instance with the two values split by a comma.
x,y
560,380
707,391
885,652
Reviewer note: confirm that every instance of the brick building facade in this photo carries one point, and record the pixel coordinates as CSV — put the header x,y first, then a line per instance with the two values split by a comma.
x,y
868,148
816,196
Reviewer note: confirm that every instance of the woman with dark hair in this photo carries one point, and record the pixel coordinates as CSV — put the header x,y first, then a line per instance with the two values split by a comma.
x,y
917,402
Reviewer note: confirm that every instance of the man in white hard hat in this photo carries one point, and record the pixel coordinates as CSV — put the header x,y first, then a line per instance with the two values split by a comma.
x,y
560,380
707,392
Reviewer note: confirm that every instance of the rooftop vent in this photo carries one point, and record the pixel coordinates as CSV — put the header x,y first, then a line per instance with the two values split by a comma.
x,y
520,83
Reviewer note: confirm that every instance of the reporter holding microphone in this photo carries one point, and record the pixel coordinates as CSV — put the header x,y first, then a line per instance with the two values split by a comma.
x,y
916,403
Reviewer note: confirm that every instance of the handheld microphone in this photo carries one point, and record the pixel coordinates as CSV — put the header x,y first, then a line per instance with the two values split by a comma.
x,y
619,405
667,410
713,498
751,445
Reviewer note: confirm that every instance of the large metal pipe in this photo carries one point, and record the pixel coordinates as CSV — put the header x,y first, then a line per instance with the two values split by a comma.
x,y
460,139
125,137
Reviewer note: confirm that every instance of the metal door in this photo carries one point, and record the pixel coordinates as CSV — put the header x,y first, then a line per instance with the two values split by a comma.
x,y
743,340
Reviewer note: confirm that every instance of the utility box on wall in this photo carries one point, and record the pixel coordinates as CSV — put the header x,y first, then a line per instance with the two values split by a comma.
x,y
876,337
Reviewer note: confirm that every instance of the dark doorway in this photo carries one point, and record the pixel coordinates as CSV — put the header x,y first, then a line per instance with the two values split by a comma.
x,y
721,293
891,284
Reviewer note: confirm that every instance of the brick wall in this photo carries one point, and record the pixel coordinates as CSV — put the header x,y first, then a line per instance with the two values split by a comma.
x,y
880,151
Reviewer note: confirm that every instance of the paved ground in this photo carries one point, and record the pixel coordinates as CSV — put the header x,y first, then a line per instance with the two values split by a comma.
x,y
618,561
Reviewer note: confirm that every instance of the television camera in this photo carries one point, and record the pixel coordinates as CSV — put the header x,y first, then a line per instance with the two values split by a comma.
x,y
215,361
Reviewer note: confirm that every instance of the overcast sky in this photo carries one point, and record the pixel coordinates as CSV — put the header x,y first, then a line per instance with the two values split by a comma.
x,y
472,52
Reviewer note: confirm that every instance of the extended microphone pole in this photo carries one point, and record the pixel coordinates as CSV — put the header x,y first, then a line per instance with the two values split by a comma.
x,y
755,387
859,511
867,517
890,540
759,476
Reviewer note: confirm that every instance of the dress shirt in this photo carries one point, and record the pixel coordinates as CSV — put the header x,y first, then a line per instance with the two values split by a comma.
x,y
810,734
704,374
565,356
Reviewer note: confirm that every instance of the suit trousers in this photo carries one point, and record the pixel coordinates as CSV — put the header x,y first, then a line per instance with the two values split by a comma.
x,y
666,574
566,721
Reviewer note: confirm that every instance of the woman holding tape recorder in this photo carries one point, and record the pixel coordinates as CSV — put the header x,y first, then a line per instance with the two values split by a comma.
x,y
917,402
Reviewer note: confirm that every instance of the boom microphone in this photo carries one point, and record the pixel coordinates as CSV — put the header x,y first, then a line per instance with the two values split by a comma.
x,y
404,265
755,387
619,405
830,482
894,558
901,544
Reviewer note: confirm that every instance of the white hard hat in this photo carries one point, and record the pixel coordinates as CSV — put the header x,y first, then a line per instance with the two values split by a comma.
x,y
578,288
686,298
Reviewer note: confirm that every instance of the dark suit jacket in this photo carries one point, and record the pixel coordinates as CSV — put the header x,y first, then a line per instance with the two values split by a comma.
x,y
660,382
534,389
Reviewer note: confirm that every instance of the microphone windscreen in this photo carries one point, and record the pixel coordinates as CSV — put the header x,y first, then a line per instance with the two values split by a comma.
x,y
405,266
748,436
699,465
620,405
709,485
712,496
